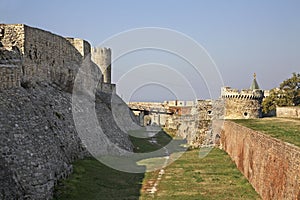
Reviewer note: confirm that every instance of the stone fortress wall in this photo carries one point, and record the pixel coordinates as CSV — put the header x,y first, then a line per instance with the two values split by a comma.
x,y
46,57
38,137
10,68
49,57
191,120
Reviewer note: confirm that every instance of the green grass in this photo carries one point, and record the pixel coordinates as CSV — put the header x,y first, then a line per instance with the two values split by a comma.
x,y
212,177
189,177
93,180
287,130
142,145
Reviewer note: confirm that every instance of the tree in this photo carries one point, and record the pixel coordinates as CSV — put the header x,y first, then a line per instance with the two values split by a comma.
x,y
288,94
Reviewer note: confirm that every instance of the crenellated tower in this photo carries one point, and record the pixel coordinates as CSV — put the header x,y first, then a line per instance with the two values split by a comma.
x,y
244,104
102,58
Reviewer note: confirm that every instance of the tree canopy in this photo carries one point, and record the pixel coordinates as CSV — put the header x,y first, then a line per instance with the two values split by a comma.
x,y
288,94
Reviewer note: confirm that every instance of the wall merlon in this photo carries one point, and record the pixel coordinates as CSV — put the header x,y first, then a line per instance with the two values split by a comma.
x,y
227,92
81,45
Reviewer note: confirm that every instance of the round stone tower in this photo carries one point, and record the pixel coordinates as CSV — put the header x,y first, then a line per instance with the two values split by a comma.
x,y
102,58
244,104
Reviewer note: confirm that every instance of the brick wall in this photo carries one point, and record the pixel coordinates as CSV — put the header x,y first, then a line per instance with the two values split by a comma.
x,y
270,165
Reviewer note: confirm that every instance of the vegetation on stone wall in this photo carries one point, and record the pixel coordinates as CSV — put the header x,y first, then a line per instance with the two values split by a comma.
x,y
288,94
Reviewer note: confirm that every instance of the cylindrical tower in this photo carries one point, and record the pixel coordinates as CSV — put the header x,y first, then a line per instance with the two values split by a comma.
x,y
245,104
102,58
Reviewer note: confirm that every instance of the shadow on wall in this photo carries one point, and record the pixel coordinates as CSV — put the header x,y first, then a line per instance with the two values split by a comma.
x,y
94,180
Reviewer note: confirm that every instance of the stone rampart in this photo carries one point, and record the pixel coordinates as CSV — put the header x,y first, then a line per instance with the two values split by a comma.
x,y
46,56
38,137
270,165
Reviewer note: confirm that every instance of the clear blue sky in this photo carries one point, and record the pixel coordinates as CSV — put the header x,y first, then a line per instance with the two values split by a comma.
x,y
241,36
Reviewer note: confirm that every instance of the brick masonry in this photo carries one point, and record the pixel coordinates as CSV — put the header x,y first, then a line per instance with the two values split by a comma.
x,y
270,165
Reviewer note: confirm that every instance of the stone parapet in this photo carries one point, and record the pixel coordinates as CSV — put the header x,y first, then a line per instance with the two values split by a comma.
x,y
227,92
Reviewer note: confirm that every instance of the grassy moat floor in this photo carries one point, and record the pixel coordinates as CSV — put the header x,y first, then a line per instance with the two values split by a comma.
x,y
190,177
287,130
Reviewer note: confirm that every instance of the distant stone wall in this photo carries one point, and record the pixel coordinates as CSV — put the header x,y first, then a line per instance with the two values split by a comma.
x,y
270,165
197,126
288,112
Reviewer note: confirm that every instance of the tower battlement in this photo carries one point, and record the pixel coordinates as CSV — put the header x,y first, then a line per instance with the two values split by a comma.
x,y
240,104
228,92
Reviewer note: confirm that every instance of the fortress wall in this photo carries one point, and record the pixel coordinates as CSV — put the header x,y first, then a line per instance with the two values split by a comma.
x,y
9,76
10,68
38,141
270,165
289,112
38,137
49,57
46,56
